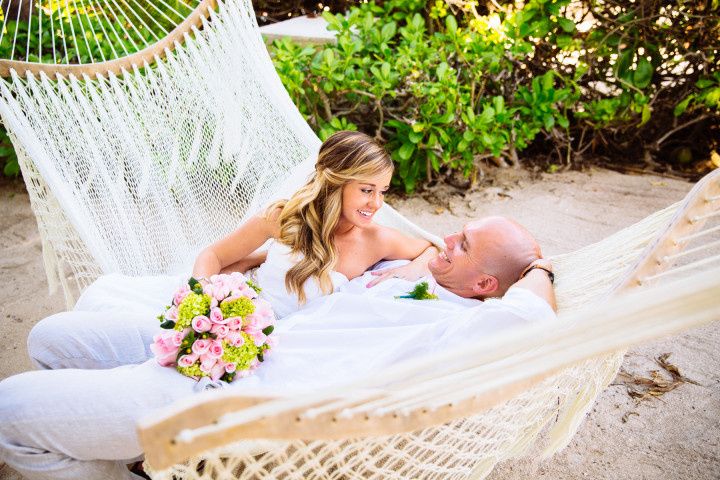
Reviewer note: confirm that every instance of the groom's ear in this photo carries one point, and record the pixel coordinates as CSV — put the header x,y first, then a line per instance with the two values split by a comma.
x,y
485,285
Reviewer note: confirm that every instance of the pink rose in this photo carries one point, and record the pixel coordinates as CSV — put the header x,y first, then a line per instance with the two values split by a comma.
x,y
234,323
201,324
200,346
216,316
259,338
263,308
181,293
230,367
164,348
207,363
216,349
252,322
177,338
235,339
220,330
217,371
172,313
272,342
187,360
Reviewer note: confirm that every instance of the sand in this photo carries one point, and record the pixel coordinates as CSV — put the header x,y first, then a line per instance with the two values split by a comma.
x,y
674,436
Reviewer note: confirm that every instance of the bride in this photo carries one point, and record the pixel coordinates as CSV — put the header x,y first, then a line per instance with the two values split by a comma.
x,y
324,234
320,238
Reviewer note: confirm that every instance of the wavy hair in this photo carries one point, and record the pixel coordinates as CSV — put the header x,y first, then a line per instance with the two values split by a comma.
x,y
309,218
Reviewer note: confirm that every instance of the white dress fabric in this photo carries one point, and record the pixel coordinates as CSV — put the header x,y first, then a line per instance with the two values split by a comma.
x,y
149,294
102,379
271,278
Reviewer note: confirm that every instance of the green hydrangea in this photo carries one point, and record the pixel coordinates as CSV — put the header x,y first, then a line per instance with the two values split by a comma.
x,y
242,307
192,371
192,306
242,355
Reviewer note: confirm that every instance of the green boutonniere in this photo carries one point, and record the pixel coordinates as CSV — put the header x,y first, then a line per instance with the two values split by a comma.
x,y
420,292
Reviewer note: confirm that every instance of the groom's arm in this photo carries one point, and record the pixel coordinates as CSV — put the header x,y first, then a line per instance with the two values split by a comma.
x,y
538,281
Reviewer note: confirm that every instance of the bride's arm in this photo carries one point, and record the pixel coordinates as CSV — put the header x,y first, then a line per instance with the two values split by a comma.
x,y
236,247
251,261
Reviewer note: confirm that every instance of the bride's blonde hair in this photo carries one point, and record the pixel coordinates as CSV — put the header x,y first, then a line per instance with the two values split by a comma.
x,y
308,219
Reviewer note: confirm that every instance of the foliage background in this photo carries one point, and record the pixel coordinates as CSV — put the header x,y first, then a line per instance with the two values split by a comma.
x,y
454,85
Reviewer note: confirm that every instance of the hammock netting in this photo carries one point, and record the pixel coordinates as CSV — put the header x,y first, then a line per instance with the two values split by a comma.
x,y
135,173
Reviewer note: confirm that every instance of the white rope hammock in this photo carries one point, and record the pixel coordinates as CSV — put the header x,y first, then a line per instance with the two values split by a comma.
x,y
134,170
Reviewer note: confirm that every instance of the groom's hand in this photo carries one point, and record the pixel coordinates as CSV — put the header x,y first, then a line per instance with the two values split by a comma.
x,y
412,271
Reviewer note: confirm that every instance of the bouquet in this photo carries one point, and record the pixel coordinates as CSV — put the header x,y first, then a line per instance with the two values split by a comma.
x,y
220,329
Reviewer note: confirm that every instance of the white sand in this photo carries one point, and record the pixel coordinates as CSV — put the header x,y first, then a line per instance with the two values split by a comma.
x,y
675,436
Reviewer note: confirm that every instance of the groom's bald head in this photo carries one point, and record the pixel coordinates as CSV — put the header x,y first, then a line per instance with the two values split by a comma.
x,y
485,258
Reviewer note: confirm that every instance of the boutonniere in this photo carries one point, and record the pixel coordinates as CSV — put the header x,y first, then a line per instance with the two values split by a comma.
x,y
420,292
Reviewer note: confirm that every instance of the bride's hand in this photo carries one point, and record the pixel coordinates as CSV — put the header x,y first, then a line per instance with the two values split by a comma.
x,y
414,270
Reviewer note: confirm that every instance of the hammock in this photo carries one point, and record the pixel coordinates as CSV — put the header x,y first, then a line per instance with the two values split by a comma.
x,y
134,167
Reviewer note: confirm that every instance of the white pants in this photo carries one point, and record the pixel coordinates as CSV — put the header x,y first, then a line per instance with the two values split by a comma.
x,y
44,427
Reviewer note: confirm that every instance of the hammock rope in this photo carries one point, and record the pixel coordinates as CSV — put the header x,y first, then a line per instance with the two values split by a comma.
x,y
135,163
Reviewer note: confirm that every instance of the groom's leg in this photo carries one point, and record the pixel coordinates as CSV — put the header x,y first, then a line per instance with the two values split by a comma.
x,y
80,424
89,340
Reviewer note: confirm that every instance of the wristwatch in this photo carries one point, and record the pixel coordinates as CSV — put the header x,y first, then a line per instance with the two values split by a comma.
x,y
551,275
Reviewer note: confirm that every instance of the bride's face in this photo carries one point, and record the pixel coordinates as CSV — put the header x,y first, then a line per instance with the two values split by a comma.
x,y
361,199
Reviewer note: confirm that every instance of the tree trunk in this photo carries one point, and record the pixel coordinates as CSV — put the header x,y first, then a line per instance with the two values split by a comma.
x,y
11,9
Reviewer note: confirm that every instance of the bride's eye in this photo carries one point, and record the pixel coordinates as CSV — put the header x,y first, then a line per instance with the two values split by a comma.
x,y
365,190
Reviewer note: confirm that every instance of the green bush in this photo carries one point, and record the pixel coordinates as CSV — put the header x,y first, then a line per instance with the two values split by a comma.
x,y
450,86
48,38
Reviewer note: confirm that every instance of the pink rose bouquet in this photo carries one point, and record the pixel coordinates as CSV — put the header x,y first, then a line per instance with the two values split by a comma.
x,y
220,329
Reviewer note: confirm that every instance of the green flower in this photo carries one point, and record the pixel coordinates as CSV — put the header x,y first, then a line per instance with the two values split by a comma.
x,y
242,307
243,355
192,306
420,292
192,371
254,286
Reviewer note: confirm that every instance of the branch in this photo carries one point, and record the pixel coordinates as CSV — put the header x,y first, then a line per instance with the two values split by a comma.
x,y
680,127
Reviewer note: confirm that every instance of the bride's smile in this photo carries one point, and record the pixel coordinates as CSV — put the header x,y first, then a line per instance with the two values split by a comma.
x,y
362,198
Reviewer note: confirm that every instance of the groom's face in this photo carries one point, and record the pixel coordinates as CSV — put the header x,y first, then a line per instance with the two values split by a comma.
x,y
460,267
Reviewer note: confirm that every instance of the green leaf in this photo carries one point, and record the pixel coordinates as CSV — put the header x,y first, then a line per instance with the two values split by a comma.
x,y
563,40
548,80
682,106
167,324
566,24
645,115
451,24
385,69
406,151
548,121
441,70
268,330
643,73
624,62
563,121
388,31
704,83
416,137
12,168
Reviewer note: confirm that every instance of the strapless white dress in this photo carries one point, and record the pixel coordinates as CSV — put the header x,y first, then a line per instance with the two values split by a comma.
x,y
149,294
271,278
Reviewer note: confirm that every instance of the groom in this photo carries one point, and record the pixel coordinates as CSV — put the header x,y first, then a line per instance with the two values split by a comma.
x,y
72,423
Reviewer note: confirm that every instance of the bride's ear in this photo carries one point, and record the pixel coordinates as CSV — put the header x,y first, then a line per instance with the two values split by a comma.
x,y
485,285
